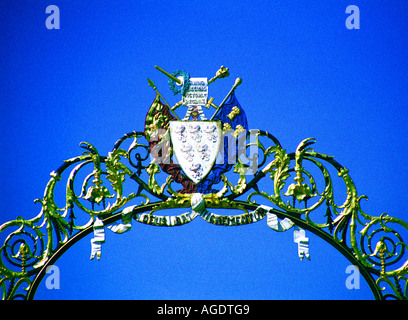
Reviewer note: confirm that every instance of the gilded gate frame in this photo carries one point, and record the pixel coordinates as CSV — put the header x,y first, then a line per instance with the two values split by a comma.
x,y
373,243
295,189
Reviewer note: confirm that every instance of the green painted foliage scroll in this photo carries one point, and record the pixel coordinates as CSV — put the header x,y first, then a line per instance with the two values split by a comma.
x,y
125,185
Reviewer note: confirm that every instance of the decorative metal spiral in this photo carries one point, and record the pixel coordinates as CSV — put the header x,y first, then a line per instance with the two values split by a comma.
x,y
300,185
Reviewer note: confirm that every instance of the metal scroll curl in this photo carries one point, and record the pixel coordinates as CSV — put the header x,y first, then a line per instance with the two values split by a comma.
x,y
289,189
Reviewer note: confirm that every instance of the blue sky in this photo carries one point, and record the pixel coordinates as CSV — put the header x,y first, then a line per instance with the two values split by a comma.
x,y
304,75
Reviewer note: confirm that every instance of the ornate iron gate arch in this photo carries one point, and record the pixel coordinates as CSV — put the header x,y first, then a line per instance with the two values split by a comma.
x,y
292,191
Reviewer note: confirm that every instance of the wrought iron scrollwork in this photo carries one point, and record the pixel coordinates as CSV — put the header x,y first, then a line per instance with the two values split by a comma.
x,y
299,186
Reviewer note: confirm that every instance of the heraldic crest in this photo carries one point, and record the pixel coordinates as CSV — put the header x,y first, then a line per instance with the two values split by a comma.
x,y
209,159
195,141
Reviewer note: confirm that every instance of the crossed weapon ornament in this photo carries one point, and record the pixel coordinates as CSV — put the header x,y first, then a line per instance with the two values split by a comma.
x,y
180,81
197,201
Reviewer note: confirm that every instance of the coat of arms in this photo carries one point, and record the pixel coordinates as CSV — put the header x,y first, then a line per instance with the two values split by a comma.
x,y
194,150
196,145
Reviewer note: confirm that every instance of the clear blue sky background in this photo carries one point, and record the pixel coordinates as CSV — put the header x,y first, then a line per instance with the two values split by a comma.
x,y
304,75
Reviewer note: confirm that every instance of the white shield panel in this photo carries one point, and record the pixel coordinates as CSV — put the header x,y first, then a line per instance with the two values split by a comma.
x,y
196,145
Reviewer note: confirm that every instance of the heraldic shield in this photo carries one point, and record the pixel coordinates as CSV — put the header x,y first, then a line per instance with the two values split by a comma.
x,y
196,145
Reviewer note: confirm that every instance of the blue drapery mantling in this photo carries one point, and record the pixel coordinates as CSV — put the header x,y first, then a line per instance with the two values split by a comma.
x,y
214,177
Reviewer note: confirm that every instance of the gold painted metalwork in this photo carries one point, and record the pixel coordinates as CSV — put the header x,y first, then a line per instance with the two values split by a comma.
x,y
211,104
235,112
298,185
237,82
221,73
168,75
